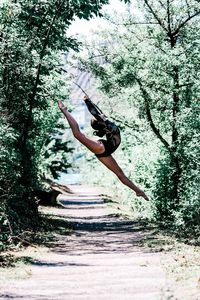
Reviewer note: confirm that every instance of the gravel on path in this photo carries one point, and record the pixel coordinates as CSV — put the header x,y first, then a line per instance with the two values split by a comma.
x,y
102,258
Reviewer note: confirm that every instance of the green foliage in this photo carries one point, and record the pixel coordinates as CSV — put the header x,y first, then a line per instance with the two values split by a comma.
x,y
56,155
33,39
164,189
151,76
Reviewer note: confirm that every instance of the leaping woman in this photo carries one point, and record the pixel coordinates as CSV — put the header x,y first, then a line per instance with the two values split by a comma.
x,y
102,148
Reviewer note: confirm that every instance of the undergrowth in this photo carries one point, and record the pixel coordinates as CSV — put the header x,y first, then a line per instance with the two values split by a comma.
x,y
45,234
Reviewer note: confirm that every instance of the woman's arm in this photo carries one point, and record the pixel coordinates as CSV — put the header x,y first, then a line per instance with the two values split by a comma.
x,y
94,110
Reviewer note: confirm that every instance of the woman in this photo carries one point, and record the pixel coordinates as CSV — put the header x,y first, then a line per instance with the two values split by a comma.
x,y
101,148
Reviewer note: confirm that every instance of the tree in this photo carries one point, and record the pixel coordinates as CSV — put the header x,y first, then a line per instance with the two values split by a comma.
x,y
153,56
33,38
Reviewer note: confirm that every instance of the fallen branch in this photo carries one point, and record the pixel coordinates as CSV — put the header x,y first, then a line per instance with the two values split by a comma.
x,y
24,242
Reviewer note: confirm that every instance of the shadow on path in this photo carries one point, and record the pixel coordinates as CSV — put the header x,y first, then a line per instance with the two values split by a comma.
x,y
103,258
104,234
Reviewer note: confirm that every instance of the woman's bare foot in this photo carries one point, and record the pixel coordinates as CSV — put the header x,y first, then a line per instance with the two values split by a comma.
x,y
140,193
61,105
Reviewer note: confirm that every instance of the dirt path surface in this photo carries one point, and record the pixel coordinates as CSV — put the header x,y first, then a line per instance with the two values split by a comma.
x,y
101,259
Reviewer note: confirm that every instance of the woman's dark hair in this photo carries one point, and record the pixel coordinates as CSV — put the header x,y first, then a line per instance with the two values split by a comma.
x,y
99,128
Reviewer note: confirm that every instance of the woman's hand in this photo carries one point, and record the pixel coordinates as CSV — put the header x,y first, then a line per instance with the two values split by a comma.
x,y
61,105
86,98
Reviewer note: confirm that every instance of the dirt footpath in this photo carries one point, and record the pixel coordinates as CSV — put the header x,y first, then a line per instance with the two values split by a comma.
x,y
103,258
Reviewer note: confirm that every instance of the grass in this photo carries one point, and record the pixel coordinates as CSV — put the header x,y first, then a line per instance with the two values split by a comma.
x,y
180,255
45,236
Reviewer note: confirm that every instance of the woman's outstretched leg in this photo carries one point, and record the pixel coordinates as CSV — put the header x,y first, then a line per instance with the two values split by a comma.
x,y
95,146
72,122
112,165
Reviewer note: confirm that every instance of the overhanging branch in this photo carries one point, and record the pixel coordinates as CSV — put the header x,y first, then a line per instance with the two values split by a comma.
x,y
155,15
33,94
150,119
185,21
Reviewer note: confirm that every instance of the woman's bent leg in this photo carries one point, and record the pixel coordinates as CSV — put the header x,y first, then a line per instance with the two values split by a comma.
x,y
95,146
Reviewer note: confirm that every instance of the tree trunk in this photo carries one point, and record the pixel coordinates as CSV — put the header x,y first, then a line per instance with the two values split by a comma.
x,y
26,150
175,161
176,176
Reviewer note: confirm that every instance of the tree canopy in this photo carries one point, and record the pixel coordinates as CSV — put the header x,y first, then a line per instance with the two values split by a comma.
x,y
151,63
33,39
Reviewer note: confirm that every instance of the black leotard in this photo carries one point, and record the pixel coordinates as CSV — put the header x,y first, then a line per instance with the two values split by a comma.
x,y
113,138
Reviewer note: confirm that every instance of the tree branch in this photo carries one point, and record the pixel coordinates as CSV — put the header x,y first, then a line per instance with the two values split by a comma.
x,y
184,22
155,15
161,4
31,98
76,83
139,23
43,51
150,119
168,18
131,23
188,7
